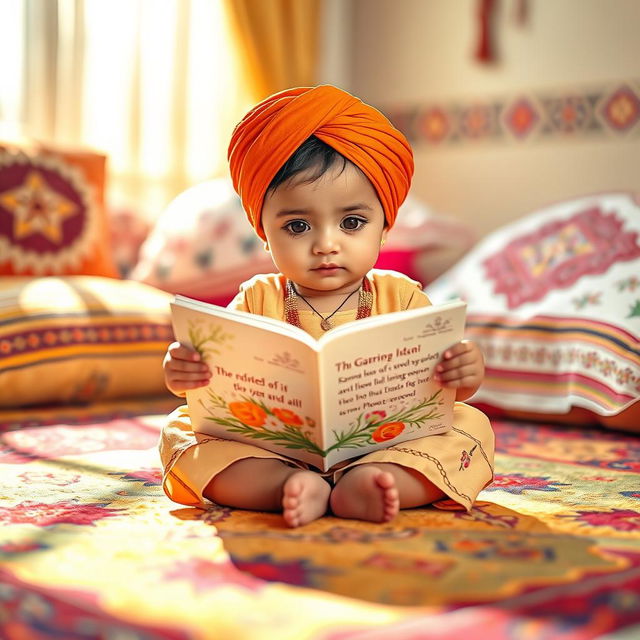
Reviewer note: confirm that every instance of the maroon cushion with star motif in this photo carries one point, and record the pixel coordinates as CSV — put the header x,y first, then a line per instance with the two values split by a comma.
x,y
52,218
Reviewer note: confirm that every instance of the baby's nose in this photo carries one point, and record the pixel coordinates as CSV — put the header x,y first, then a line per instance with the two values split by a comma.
x,y
326,242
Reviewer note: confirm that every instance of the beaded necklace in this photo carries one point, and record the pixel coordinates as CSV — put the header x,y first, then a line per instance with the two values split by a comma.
x,y
365,304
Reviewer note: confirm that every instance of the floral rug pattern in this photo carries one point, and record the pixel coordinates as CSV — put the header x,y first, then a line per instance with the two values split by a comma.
x,y
90,547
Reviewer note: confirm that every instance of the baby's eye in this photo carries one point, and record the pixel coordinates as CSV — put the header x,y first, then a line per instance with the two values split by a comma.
x,y
296,227
351,223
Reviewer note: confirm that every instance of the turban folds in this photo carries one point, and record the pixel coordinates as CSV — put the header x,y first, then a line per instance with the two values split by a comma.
x,y
272,131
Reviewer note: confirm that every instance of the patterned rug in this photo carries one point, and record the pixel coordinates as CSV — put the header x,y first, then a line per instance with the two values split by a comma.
x,y
91,548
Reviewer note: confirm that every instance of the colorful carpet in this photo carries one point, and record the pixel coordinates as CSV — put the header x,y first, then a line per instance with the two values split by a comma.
x,y
91,548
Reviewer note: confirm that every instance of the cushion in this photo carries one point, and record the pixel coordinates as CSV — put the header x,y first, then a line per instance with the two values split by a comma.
x,y
80,338
554,303
423,244
203,246
52,219
128,230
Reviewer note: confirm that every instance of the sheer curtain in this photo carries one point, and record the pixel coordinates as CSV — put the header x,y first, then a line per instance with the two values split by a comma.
x,y
155,84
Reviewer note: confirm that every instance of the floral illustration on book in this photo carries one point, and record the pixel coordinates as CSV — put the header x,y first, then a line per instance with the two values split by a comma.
x,y
252,418
206,338
286,360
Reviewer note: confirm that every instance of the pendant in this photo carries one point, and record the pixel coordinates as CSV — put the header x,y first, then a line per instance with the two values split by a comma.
x,y
325,325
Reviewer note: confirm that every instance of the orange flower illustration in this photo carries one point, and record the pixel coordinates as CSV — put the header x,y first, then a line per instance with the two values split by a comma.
x,y
248,413
388,431
288,417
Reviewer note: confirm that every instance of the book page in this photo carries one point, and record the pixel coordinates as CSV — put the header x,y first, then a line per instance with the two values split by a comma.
x,y
378,388
264,387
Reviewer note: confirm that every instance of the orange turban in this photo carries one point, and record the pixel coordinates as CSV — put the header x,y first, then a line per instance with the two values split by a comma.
x,y
272,131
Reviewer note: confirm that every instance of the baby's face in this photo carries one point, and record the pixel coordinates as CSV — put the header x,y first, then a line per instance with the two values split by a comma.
x,y
325,235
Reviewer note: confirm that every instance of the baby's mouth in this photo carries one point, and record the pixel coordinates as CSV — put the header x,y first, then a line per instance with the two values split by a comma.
x,y
327,267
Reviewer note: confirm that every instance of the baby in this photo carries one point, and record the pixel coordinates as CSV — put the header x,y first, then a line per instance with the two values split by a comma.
x,y
321,176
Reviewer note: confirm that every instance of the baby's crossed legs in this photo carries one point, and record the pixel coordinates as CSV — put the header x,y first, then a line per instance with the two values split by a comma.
x,y
372,492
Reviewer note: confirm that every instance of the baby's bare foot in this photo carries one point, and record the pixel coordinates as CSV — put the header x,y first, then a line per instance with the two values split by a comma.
x,y
366,493
305,497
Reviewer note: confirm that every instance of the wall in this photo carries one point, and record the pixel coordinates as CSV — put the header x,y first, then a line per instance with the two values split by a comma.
x,y
568,61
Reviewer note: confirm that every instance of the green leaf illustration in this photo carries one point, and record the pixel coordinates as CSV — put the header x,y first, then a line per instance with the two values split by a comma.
x,y
207,338
634,310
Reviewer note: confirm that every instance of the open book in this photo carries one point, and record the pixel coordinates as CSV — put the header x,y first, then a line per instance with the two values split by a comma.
x,y
362,386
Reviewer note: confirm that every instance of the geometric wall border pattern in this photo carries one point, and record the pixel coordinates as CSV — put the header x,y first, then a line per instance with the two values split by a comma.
x,y
611,110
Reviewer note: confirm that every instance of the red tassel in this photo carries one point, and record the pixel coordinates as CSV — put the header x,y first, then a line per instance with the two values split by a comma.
x,y
484,51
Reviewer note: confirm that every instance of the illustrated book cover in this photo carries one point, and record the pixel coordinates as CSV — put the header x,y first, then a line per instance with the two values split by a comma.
x,y
362,386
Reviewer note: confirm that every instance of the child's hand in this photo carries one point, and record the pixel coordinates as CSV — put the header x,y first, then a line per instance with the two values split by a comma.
x,y
184,370
461,368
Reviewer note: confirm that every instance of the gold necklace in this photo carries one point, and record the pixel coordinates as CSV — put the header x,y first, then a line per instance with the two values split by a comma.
x,y
365,303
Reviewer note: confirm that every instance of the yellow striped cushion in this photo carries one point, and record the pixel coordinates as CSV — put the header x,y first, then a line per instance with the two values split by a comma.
x,y
80,339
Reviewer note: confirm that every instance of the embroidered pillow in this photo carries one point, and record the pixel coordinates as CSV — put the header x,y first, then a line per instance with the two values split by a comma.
x,y
80,339
52,219
202,245
554,302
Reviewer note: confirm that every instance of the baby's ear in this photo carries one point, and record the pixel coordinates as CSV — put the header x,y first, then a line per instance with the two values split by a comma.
x,y
383,237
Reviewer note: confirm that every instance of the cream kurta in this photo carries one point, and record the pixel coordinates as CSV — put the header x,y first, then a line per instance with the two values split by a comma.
x,y
459,462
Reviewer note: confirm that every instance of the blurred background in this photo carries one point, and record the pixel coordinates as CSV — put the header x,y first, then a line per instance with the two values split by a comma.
x,y
509,104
